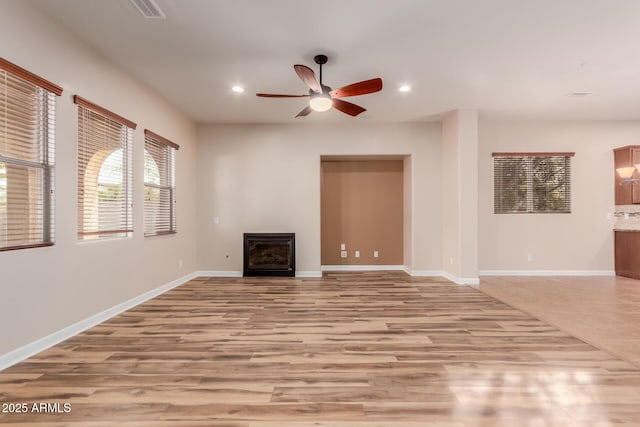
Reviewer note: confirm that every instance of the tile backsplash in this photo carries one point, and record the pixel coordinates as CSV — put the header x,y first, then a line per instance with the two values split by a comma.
x,y
626,217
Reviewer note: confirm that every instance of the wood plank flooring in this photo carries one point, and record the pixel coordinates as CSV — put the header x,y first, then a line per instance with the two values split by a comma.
x,y
347,350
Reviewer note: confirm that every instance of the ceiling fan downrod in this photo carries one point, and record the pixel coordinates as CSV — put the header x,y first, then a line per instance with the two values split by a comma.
x,y
321,60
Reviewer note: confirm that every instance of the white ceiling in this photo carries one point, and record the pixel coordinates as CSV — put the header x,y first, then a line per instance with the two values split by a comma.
x,y
515,58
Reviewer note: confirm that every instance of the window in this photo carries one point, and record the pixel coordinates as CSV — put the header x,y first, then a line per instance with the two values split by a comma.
x,y
159,185
27,130
532,182
105,200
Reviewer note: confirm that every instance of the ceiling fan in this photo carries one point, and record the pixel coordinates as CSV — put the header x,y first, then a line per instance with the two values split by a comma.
x,y
322,97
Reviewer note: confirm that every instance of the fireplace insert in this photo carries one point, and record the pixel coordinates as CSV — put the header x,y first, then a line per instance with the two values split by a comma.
x,y
269,254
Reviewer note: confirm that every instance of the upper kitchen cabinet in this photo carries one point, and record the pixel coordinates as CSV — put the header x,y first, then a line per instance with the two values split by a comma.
x,y
627,165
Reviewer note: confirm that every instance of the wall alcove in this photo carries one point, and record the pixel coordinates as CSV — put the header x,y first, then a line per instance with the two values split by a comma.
x,y
363,202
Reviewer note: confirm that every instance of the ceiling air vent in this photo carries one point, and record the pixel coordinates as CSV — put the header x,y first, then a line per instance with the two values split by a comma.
x,y
148,8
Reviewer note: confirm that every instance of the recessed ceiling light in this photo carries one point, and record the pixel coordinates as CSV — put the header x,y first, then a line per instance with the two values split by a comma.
x,y
237,89
404,88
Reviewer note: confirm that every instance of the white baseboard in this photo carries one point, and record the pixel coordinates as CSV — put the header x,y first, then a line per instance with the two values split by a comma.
x,y
423,273
309,274
547,273
438,273
218,273
362,268
461,280
28,350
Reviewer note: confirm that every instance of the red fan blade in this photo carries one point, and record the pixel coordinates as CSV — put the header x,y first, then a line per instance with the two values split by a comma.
x,y
276,95
309,77
305,112
360,88
347,107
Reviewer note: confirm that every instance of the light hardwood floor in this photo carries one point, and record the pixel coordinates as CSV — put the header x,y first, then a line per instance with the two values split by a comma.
x,y
347,350
604,311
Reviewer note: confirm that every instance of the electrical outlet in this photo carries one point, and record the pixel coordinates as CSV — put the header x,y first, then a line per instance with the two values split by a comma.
x,y
376,254
357,254
530,257
216,220
343,254
180,263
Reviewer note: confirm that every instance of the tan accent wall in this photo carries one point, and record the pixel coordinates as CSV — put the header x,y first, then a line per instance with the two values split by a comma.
x,y
362,207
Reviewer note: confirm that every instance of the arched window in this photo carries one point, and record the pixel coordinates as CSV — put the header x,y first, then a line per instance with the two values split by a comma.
x,y
151,171
110,190
151,193
104,173
159,185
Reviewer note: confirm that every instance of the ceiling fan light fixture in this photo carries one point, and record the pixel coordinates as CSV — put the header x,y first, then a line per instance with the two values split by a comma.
x,y
321,103
322,97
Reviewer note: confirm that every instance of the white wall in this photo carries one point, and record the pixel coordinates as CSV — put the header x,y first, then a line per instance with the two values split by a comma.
x,y
44,290
266,178
450,194
468,194
581,241
460,196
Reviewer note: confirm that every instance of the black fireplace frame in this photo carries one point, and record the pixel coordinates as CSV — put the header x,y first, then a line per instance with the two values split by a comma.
x,y
267,237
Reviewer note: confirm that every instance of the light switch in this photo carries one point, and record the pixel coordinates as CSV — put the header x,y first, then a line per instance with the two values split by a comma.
x,y
357,254
343,246
376,254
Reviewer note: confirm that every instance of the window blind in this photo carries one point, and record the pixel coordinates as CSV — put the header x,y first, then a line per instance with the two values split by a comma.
x,y
532,182
27,153
105,199
159,185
